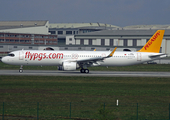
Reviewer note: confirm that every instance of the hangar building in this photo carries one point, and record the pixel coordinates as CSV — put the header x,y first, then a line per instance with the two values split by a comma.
x,y
38,35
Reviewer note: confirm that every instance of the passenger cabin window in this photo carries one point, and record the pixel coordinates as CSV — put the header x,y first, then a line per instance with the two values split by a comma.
x,y
11,54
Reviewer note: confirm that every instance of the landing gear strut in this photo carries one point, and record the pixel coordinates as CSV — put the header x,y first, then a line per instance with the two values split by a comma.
x,y
21,69
84,70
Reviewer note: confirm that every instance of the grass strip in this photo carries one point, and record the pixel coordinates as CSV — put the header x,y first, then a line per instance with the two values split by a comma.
x,y
90,97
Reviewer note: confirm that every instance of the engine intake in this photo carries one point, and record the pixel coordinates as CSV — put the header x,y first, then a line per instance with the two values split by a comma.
x,y
68,66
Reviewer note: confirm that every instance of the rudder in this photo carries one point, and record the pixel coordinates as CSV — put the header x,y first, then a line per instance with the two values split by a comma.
x,y
154,43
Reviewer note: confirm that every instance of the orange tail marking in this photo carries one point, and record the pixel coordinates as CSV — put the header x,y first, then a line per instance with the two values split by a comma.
x,y
154,44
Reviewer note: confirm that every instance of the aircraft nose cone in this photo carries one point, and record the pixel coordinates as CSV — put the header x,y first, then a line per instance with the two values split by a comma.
x,y
4,60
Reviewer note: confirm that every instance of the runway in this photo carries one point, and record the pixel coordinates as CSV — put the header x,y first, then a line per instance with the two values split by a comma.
x,y
77,73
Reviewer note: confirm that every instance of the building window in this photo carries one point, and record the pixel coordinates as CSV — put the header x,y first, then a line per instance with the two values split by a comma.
x,y
1,40
15,47
22,36
11,35
1,35
41,41
16,40
27,41
11,40
16,35
134,42
22,40
90,41
103,42
30,47
45,36
70,39
1,46
111,42
52,32
51,37
125,42
60,32
81,41
68,32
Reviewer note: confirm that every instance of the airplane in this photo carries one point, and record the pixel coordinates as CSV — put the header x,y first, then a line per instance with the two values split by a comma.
x,y
72,60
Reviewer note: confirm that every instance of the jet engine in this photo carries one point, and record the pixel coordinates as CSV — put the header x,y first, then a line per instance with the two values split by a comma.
x,y
68,66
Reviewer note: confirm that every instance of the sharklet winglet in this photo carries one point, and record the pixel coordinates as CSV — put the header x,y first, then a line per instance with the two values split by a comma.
x,y
111,54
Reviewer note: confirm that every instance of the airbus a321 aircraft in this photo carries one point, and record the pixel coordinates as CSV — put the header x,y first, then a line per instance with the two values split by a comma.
x,y
72,60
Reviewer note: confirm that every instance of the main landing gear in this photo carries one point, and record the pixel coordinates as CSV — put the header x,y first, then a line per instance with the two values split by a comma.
x,y
21,69
84,70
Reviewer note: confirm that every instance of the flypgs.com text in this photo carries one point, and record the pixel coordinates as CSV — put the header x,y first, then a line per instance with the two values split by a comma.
x,y
40,56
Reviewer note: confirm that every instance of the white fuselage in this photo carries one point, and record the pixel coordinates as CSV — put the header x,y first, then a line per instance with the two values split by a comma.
x,y
56,58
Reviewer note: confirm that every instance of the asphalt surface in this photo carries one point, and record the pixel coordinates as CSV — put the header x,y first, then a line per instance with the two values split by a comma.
x,y
91,73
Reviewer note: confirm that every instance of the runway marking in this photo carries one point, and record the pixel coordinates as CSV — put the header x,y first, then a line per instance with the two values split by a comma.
x,y
92,73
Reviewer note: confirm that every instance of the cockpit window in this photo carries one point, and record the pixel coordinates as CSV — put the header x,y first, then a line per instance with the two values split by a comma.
x,y
11,54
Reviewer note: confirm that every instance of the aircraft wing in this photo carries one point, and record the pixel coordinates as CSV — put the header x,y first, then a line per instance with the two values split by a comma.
x,y
94,59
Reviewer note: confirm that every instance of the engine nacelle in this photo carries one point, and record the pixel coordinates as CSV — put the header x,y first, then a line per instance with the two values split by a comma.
x,y
68,66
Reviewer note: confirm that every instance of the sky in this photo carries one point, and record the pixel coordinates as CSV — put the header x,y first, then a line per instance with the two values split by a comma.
x,y
116,12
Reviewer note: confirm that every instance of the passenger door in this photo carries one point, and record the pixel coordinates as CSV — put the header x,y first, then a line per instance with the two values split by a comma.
x,y
139,57
21,55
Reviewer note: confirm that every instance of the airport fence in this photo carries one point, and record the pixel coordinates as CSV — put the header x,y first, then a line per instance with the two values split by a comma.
x,y
84,111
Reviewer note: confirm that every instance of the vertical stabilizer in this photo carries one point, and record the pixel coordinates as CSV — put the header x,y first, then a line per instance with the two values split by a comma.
x,y
154,44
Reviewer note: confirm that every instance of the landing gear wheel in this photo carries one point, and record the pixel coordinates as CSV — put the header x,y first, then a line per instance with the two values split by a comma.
x,y
20,70
86,71
82,70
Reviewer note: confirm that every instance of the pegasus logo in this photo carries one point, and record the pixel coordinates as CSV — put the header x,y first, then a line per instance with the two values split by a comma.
x,y
152,40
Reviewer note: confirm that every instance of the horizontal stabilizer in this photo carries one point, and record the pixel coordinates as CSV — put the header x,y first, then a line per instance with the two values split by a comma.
x,y
158,56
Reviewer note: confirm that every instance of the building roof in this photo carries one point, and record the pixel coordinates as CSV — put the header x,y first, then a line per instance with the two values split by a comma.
x,y
81,25
147,27
122,32
19,24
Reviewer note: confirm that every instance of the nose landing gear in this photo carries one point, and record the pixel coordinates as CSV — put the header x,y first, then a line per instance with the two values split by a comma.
x,y
21,69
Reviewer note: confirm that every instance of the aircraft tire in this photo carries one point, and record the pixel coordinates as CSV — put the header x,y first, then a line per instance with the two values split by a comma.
x,y
86,71
82,70
20,70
